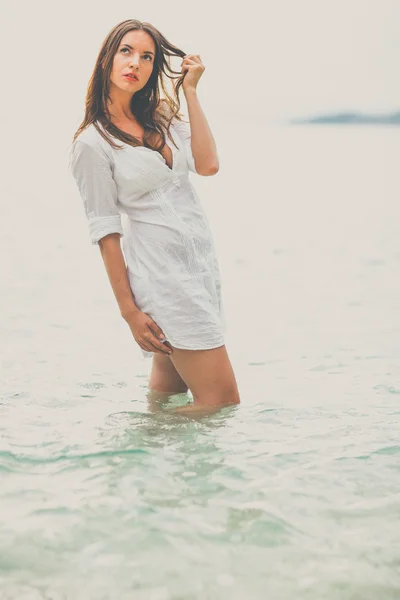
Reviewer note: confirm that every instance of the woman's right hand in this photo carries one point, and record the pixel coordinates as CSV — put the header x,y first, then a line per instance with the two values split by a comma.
x,y
147,333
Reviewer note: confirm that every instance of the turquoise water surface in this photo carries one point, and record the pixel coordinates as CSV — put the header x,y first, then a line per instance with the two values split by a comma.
x,y
294,494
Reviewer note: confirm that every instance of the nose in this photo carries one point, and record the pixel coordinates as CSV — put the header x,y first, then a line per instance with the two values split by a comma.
x,y
135,59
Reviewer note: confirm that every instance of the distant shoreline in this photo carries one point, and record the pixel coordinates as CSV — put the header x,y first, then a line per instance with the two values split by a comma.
x,y
350,119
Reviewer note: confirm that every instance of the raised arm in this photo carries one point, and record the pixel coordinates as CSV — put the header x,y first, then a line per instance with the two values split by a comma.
x,y
203,145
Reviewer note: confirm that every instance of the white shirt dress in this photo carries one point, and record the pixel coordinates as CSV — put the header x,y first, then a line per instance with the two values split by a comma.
x,y
166,239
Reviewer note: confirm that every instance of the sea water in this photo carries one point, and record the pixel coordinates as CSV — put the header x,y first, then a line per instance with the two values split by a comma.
x,y
294,493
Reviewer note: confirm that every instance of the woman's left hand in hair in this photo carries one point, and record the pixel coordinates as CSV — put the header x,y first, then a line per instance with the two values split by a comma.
x,y
194,68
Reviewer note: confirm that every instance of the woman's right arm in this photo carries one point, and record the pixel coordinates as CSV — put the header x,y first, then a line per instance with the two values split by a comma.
x,y
145,331
114,262
91,168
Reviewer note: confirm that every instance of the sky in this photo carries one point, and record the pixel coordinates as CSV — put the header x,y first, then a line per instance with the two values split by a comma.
x,y
285,58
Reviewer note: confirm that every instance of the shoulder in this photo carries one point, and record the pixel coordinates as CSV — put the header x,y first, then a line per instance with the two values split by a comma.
x,y
93,138
90,142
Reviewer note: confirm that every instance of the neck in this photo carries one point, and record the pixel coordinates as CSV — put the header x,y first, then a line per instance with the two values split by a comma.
x,y
119,105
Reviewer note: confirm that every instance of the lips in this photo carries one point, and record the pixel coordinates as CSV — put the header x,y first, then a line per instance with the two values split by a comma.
x,y
131,77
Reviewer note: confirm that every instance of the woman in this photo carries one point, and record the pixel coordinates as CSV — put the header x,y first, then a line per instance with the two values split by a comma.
x,y
169,289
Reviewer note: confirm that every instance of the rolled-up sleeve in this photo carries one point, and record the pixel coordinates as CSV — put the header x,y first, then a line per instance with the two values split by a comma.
x,y
91,169
183,130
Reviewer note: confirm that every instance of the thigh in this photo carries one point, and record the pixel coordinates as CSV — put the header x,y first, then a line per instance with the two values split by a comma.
x,y
164,376
208,374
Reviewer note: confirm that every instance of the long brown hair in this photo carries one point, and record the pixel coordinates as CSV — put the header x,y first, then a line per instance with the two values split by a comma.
x,y
152,112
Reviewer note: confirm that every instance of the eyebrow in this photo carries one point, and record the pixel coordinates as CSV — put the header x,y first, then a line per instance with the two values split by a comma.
x,y
145,52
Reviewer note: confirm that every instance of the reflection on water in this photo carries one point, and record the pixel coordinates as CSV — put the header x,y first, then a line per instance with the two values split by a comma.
x,y
107,493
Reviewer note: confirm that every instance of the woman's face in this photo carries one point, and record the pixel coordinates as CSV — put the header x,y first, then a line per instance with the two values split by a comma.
x,y
135,56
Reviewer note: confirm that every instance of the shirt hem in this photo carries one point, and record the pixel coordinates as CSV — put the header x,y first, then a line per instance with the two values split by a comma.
x,y
180,347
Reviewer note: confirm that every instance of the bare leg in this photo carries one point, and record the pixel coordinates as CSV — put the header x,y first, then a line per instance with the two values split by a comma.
x,y
210,378
164,378
164,382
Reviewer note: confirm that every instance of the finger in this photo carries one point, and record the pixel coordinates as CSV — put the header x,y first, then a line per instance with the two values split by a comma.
x,y
159,346
154,349
190,59
193,67
150,338
193,56
164,351
146,346
154,328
